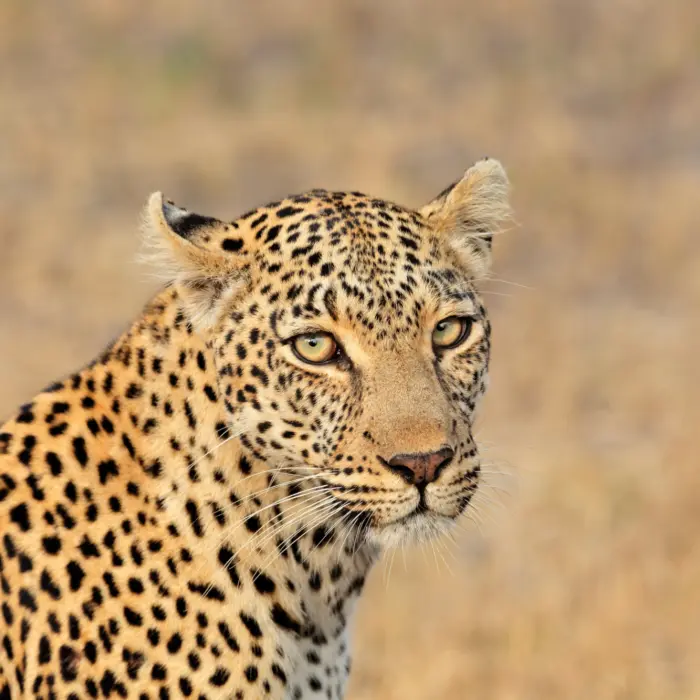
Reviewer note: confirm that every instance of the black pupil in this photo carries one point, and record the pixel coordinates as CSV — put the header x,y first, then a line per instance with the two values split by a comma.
x,y
313,342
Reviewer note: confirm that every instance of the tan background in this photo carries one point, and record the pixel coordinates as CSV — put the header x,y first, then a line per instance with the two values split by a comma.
x,y
586,582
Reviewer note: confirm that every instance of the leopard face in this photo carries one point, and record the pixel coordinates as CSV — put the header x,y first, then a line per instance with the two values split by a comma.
x,y
350,341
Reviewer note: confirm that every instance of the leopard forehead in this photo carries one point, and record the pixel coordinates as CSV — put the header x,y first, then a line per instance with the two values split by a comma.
x,y
362,261
354,232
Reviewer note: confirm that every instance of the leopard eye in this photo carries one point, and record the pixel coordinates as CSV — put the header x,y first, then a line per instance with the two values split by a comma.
x,y
451,332
315,348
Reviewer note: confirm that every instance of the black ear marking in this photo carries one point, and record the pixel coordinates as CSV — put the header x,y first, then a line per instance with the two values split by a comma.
x,y
183,222
185,225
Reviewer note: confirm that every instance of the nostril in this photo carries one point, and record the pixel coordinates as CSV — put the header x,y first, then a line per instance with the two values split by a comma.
x,y
405,472
445,454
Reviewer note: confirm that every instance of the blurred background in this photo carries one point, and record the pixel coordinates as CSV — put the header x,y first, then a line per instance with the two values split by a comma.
x,y
581,576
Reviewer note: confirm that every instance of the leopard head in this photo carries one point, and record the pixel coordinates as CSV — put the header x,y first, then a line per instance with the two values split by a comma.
x,y
350,340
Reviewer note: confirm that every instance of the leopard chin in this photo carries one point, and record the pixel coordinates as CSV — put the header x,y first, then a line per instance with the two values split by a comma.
x,y
415,529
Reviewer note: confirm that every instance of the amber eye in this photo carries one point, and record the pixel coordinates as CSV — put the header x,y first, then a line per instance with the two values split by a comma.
x,y
451,331
315,348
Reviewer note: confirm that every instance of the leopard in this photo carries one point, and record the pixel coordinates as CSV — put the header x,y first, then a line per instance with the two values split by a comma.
x,y
195,512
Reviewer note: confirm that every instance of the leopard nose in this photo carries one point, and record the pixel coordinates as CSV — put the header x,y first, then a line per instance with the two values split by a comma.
x,y
421,468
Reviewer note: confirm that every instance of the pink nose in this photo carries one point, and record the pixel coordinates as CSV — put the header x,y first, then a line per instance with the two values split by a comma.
x,y
421,468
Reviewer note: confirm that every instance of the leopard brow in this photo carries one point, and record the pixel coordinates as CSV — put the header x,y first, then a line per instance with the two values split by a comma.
x,y
295,331
446,307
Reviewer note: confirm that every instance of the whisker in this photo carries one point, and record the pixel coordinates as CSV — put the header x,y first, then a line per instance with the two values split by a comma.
x,y
222,510
305,512
320,516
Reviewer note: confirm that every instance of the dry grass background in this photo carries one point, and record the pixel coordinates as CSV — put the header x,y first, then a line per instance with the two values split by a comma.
x,y
586,582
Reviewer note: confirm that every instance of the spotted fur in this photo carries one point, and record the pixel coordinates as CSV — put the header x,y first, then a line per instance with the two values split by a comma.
x,y
193,515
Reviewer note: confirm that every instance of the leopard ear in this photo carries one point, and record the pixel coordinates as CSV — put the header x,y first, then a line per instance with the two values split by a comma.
x,y
201,256
469,212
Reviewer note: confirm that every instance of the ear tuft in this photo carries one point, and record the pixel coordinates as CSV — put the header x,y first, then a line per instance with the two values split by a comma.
x,y
470,212
185,249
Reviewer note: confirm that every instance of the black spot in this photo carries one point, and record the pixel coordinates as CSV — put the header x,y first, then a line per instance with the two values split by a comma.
x,y
251,673
66,517
193,660
134,391
263,583
174,644
288,211
58,429
25,456
228,559
232,245
44,650
54,463
10,547
228,637
193,513
76,574
244,465
71,492
252,523
90,650
74,627
49,586
315,581
20,515
27,599
219,677
129,446
135,585
69,658
329,301
272,233
107,683
159,672
79,451
132,617
321,536
251,625
279,673
284,620
206,591
25,415
88,548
